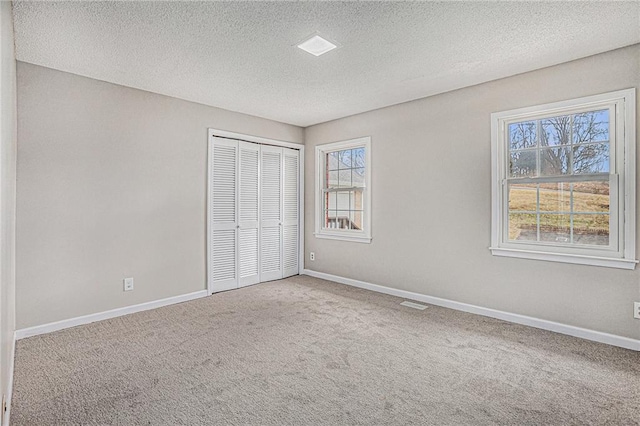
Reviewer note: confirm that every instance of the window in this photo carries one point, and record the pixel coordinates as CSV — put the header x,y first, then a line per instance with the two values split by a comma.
x,y
564,181
343,190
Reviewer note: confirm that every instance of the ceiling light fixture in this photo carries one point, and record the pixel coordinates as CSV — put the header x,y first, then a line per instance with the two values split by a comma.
x,y
317,46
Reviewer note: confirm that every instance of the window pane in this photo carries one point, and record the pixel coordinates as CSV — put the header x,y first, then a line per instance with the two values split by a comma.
x,y
591,158
555,197
523,227
358,157
555,228
356,200
556,131
356,220
330,200
523,163
522,135
345,178
332,161
591,197
592,126
554,161
591,229
343,200
339,179
330,218
333,179
345,159
523,197
351,219
358,177
342,219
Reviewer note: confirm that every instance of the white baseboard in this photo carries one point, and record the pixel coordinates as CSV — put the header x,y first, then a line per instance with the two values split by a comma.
x,y
597,336
86,319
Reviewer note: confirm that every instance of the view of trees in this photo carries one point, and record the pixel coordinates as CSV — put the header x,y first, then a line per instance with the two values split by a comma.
x,y
568,144
565,210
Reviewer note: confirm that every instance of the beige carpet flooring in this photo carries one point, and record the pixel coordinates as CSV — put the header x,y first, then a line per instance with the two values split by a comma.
x,y
304,351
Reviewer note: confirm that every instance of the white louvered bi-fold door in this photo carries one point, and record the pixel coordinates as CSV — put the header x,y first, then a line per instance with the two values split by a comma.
x,y
249,214
254,195
271,174
290,212
223,200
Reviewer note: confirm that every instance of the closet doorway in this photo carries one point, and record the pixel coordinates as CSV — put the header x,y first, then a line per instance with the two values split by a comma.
x,y
254,210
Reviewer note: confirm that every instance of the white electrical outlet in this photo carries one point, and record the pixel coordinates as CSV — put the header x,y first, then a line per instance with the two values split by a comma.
x,y
128,284
636,310
312,256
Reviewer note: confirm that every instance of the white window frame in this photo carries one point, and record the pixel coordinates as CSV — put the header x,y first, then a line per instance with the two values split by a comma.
x,y
360,236
623,202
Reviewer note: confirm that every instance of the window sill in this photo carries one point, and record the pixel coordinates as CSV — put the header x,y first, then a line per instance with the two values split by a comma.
x,y
352,238
606,262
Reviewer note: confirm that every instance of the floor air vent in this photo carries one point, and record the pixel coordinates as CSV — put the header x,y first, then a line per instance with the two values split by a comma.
x,y
413,305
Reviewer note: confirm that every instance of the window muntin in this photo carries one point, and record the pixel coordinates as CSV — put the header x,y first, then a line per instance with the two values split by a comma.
x,y
564,181
343,190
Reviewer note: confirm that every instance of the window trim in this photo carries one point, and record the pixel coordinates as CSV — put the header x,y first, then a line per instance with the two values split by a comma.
x,y
359,236
624,162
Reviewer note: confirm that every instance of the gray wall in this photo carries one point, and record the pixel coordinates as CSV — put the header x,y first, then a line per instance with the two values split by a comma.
x,y
7,194
431,222
111,184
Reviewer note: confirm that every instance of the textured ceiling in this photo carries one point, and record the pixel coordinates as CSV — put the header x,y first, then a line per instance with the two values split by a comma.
x,y
242,56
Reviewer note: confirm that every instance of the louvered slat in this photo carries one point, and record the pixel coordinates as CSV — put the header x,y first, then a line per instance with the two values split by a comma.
x,y
271,172
290,240
248,251
270,249
290,187
224,184
249,184
223,254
